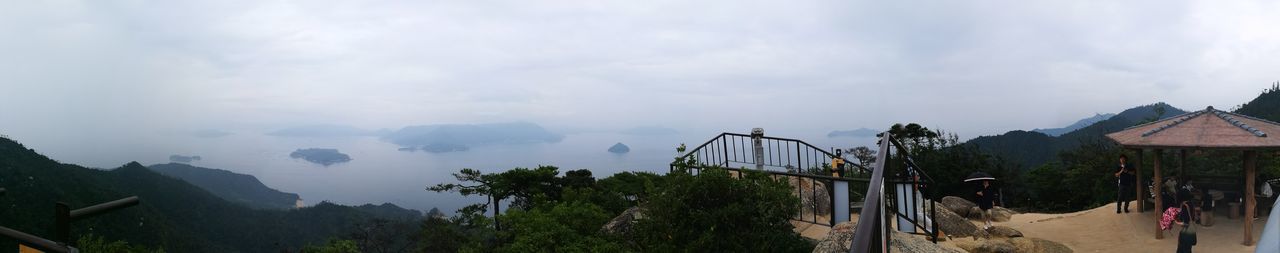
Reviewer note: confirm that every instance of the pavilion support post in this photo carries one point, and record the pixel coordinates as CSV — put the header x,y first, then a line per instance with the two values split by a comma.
x,y
1182,174
1250,175
1158,188
1137,173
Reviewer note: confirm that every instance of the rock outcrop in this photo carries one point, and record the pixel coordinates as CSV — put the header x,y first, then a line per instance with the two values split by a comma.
x,y
954,225
1003,231
623,224
1011,245
904,242
838,240
961,206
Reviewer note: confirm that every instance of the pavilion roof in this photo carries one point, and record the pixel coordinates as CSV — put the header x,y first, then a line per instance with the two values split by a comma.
x,y
1208,128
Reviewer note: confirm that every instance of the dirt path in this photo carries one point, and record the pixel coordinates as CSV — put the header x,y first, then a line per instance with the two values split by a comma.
x,y
1103,230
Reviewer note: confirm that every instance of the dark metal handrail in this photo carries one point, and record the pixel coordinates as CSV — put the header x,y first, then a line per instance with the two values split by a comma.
x,y
873,235
63,215
731,150
778,149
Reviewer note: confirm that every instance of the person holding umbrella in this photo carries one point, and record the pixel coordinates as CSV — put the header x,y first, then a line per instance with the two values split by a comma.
x,y
986,195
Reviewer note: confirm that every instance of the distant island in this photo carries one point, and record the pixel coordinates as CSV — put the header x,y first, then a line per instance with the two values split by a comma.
x,y
619,148
461,137
860,132
183,159
322,156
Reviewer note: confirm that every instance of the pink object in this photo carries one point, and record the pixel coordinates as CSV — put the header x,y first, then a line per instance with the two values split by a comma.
x,y
1167,219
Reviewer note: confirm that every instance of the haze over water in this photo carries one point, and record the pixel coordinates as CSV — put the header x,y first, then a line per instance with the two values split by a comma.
x,y
379,172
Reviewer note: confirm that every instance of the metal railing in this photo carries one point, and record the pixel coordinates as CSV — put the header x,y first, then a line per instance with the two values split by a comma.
x,y
904,199
63,215
825,200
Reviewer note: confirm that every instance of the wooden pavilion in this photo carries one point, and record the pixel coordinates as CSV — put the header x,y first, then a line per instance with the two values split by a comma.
x,y
1201,130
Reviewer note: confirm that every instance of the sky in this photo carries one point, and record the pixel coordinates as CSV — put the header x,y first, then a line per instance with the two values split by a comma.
x,y
136,68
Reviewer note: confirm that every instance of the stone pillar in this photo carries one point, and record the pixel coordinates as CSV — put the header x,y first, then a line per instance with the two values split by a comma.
x,y
757,139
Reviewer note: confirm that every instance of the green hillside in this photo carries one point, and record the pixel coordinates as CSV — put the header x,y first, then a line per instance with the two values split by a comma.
x,y
1265,106
235,187
1030,149
174,215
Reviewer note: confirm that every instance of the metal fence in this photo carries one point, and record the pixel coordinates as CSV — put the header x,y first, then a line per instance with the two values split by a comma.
x,y
825,199
907,198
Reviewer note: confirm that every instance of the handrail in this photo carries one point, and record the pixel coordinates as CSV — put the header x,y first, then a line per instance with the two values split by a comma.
x,y
873,235
692,152
862,240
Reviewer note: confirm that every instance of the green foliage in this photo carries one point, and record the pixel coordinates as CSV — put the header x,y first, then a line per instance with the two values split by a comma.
x,y
566,226
97,244
712,211
1265,105
173,215
333,246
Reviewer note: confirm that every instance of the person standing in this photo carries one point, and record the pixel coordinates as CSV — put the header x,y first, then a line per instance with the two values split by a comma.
x,y
1187,237
986,198
1125,180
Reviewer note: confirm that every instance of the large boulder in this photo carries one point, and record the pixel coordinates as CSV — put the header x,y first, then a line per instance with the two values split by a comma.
x,y
1016,244
998,214
838,240
954,225
814,198
960,206
1003,231
623,224
1001,214
904,242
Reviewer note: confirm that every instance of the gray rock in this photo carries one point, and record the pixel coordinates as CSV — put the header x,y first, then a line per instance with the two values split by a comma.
x,y
838,240
904,242
998,214
960,206
841,237
623,224
1047,246
1003,231
954,225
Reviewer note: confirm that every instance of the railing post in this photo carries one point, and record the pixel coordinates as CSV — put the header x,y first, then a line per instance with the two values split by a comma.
x,y
841,206
757,139
61,223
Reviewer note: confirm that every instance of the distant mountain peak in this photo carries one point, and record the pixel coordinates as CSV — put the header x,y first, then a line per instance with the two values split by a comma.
x,y
1082,123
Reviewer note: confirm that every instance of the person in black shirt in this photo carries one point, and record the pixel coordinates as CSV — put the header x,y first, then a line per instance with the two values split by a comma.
x,y
1125,179
986,199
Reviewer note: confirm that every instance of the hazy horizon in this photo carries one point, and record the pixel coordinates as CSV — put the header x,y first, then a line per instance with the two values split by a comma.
x,y
87,81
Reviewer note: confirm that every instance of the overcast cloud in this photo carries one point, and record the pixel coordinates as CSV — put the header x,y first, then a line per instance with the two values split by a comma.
x,y
973,67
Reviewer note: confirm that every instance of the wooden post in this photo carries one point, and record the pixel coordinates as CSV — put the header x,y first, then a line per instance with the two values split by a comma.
x,y
1250,171
1137,173
1158,189
1182,175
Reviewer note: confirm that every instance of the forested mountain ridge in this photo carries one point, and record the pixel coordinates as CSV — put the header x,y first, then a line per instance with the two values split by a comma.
x,y
1075,126
173,215
1030,149
231,186
1265,106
